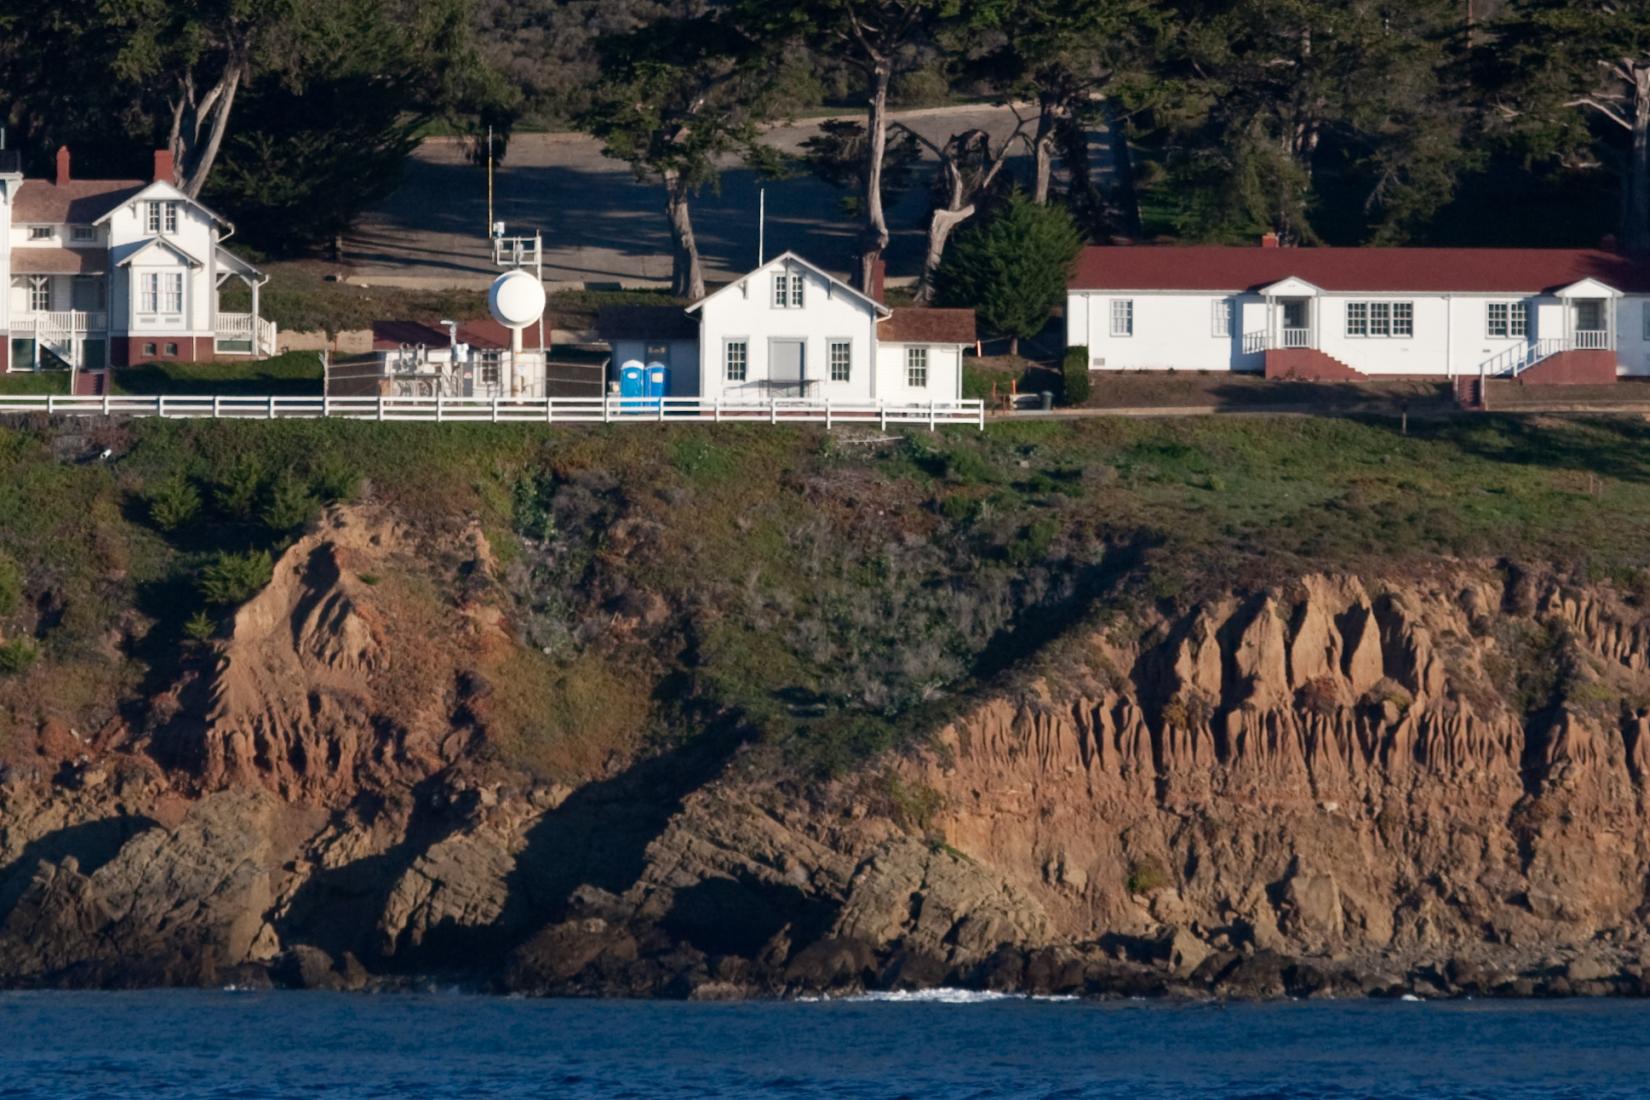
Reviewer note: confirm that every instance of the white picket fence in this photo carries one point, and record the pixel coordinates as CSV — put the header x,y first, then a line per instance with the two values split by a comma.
x,y
460,410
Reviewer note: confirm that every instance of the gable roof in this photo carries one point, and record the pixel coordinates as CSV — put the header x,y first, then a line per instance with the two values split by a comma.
x,y
791,257
1422,270
645,323
928,326
128,253
160,189
77,202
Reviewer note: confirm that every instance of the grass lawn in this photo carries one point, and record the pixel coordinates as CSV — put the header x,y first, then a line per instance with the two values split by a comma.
x,y
56,381
292,374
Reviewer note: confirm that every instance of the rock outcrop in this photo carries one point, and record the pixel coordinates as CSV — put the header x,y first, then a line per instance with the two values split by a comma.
x,y
1345,786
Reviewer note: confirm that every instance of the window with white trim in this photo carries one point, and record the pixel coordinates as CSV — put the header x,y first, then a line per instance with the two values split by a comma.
x,y
787,290
1382,320
1122,317
40,294
171,292
916,368
736,356
162,217
149,292
83,233
841,359
491,363
41,232
1221,323
1507,320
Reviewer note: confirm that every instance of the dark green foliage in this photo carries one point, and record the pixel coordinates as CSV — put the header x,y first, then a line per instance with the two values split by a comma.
x,y
199,627
334,479
228,578
1012,268
837,155
291,505
16,656
1075,371
173,504
296,373
238,486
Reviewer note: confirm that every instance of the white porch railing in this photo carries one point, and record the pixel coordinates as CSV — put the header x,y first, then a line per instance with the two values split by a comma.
x,y
60,322
463,410
243,328
1592,340
1297,337
1515,360
1254,343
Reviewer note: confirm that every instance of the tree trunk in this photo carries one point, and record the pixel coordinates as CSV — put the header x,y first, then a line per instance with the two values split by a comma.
x,y
1636,225
687,278
940,228
1042,149
194,154
874,235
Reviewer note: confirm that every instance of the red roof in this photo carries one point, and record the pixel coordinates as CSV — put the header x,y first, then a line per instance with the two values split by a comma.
x,y
79,202
1419,270
483,333
927,326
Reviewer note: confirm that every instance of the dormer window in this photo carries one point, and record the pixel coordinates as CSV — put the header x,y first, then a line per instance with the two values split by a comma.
x,y
41,233
787,290
162,217
83,234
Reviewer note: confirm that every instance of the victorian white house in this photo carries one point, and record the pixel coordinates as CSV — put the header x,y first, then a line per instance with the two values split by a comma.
x,y
1542,315
108,273
791,330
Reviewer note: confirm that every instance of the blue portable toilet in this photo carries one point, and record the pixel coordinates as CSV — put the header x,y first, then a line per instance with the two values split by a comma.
x,y
658,384
632,387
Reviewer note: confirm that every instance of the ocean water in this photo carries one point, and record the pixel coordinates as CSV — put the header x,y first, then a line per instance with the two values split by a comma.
x,y
278,1045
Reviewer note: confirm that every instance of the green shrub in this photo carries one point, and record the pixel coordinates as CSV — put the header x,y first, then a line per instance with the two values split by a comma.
x,y
1145,876
1032,544
229,579
173,503
1075,371
237,487
334,479
291,505
11,585
16,656
199,627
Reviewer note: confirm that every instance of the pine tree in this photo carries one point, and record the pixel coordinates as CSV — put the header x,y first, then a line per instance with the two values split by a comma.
x,y
1012,268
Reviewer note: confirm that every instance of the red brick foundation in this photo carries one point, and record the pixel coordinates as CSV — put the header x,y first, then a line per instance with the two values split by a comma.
x,y
1573,368
129,351
1309,365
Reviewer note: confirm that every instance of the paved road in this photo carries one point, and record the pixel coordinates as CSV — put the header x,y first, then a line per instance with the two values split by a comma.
x,y
602,225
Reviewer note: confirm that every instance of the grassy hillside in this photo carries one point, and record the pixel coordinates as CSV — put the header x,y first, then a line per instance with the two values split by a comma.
x,y
838,590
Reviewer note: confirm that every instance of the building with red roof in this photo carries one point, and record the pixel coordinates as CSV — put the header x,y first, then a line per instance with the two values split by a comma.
x,y
1542,315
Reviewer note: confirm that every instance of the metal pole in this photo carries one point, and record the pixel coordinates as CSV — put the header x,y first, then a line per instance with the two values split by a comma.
x,y
490,183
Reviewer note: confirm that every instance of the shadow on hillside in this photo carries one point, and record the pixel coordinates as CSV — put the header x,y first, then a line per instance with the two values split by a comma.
x,y
91,844
1614,447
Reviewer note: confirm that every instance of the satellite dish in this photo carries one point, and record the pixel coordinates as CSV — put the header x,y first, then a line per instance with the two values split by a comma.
x,y
516,299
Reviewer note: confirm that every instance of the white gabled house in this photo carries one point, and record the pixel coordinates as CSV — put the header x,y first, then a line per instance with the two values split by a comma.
x,y
791,330
1541,315
110,273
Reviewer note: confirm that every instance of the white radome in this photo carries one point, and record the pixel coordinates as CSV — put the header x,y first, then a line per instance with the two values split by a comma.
x,y
516,299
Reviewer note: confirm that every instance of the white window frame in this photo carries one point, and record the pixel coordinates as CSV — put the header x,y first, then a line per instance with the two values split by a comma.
x,y
1220,322
1507,320
787,290
162,216
490,366
149,292
40,294
1122,317
171,292
744,345
916,367
846,348
42,233
1370,319
83,234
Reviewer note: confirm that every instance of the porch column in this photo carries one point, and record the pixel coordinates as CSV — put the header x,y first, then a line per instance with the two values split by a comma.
x,y
256,283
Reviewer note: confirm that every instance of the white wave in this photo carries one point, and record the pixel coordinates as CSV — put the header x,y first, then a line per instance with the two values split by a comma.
x,y
944,996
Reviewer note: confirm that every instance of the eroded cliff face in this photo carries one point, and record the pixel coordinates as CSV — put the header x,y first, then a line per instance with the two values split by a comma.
x,y
1343,785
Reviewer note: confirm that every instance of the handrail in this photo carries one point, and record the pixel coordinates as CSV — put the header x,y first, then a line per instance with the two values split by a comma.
x,y
450,410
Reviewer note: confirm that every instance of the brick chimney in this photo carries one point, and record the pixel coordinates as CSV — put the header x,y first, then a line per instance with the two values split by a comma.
x,y
1270,240
165,170
62,165
879,280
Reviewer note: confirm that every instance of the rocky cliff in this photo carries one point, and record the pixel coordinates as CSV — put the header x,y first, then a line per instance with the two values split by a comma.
x,y
1342,784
